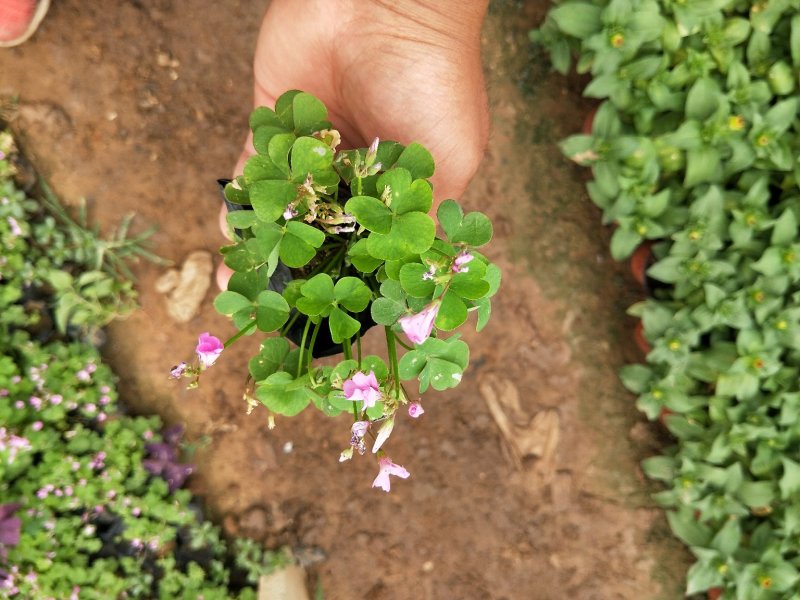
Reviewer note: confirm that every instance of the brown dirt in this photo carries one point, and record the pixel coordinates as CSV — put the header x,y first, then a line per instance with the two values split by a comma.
x,y
138,108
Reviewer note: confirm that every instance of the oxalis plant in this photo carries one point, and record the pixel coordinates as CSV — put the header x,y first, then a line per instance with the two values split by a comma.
x,y
331,243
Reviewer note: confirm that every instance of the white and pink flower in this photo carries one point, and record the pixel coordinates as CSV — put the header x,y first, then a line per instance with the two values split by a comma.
x,y
208,349
387,468
362,387
418,327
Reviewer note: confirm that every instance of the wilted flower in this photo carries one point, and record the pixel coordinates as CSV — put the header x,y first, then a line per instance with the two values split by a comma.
x,y
418,327
177,371
415,410
383,434
387,467
362,387
208,349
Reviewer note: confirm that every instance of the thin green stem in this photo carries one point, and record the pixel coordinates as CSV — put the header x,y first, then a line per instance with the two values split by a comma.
x,y
402,343
347,349
240,333
358,347
291,322
358,186
311,344
302,347
392,349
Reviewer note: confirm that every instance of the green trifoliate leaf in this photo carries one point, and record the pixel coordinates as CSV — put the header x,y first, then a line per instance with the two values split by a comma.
x,y
269,359
309,155
229,302
263,116
278,152
411,233
270,198
385,311
474,229
260,167
361,258
242,219
272,311
342,325
352,293
414,282
248,283
436,362
370,213
308,113
484,312
406,196
452,312
299,244
284,108
450,217
417,161
317,295
274,393
263,135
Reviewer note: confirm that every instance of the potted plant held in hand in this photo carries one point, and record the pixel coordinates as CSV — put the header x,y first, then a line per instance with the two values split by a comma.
x,y
330,243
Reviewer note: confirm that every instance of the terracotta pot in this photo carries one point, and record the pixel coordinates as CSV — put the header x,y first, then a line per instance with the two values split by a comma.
x,y
323,345
640,260
641,341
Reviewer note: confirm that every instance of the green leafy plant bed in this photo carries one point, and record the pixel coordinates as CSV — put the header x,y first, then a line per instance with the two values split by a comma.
x,y
695,147
333,242
90,498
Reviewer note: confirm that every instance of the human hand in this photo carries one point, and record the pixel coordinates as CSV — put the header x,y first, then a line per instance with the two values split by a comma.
x,y
406,70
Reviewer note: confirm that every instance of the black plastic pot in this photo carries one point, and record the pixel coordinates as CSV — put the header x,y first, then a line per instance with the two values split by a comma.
x,y
323,345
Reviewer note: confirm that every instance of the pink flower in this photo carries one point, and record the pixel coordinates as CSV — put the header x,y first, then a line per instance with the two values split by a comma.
x,y
415,410
418,327
177,370
290,212
383,434
363,387
208,349
15,228
461,259
387,467
359,428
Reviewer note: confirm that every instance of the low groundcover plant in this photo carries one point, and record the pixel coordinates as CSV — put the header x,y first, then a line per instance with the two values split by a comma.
x,y
334,242
90,498
694,149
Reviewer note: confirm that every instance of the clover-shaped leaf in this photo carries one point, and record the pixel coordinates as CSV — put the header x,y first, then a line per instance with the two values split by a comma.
x,y
412,278
300,243
309,156
402,228
228,303
436,362
269,359
342,325
278,152
269,198
361,258
272,311
317,296
416,160
274,392
473,229
390,305
452,312
352,293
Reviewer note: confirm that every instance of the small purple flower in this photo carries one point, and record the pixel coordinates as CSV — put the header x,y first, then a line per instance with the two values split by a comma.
x,y
35,402
362,387
9,525
208,349
16,230
387,467
56,399
415,410
37,425
359,428
290,212
177,371
430,274
19,404
83,375
90,408
418,327
461,259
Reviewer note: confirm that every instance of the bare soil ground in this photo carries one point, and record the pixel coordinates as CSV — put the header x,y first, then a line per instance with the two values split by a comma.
x,y
525,480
